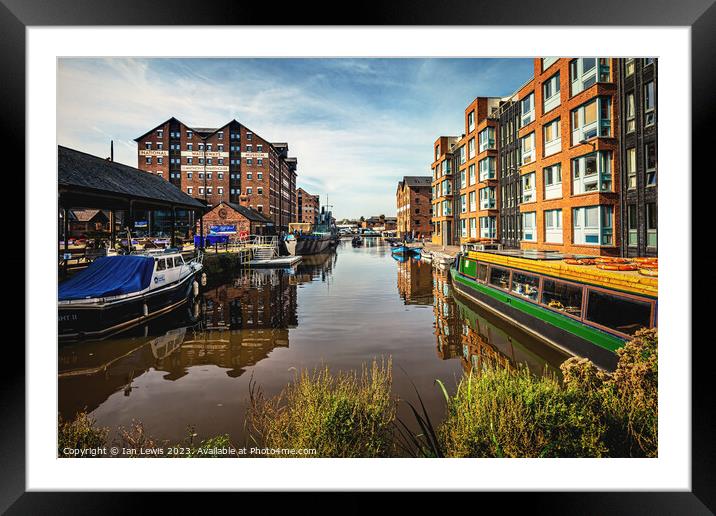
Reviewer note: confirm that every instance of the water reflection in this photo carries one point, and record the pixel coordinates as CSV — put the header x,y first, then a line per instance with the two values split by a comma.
x,y
415,281
479,337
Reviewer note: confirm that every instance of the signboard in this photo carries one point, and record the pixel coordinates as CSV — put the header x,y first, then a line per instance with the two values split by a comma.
x,y
254,154
208,168
141,224
147,152
229,229
201,154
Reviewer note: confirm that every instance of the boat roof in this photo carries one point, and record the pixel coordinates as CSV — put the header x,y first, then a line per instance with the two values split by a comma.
x,y
552,264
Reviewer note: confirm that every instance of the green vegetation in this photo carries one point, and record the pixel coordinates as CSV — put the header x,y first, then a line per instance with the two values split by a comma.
x,y
341,415
495,412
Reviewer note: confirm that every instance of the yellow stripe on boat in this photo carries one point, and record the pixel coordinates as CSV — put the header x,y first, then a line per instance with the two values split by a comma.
x,y
626,281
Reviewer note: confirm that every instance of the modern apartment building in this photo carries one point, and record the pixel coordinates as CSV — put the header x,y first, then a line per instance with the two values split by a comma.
x,y
446,156
477,172
638,148
413,198
307,206
229,163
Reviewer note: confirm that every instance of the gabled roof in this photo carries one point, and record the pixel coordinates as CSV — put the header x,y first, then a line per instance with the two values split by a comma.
x,y
85,215
249,213
417,180
79,170
204,132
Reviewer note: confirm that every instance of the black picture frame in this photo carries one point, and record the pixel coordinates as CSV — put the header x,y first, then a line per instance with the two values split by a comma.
x,y
699,15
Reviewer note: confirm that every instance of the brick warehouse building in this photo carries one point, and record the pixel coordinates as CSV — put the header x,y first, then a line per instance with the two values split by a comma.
x,y
307,206
560,143
446,152
413,199
229,163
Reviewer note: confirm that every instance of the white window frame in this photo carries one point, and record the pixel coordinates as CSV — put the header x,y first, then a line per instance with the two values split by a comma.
x,y
527,109
552,186
602,231
488,227
471,121
649,112
486,138
601,126
487,168
554,145
529,189
487,198
598,181
471,148
528,156
529,226
473,227
553,231
554,100
580,79
472,201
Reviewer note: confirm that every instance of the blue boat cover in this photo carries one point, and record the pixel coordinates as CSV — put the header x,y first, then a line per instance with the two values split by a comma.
x,y
109,276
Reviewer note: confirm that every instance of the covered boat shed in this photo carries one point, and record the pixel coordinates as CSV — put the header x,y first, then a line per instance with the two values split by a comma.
x,y
91,182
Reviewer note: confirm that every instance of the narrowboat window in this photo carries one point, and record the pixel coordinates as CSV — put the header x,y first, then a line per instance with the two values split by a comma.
x,y
525,285
500,277
482,272
562,297
160,264
618,313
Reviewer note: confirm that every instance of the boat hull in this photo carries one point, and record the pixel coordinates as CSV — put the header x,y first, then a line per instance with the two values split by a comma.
x,y
563,333
97,321
305,246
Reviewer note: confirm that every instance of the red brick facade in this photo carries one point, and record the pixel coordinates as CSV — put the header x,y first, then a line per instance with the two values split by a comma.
x,y
413,200
229,163
307,206
226,215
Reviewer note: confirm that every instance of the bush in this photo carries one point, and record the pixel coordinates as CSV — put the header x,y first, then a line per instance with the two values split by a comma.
x,y
503,412
342,415
82,433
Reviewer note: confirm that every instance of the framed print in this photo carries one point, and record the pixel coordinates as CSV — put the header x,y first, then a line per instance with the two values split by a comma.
x,y
419,253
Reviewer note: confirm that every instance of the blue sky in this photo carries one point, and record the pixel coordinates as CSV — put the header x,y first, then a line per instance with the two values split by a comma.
x,y
357,126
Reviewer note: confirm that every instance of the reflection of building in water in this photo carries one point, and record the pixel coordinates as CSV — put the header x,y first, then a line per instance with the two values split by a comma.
x,y
415,282
479,338
447,320
314,267
254,299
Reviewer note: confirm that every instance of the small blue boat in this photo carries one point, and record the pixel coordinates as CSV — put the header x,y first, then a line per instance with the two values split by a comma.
x,y
405,250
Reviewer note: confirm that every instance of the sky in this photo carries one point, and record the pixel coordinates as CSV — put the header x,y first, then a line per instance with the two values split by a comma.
x,y
356,126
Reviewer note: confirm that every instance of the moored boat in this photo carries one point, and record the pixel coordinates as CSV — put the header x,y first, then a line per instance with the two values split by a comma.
x,y
582,309
405,250
117,292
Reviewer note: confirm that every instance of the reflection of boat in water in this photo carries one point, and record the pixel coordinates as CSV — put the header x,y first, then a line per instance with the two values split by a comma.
x,y
168,343
580,309
117,292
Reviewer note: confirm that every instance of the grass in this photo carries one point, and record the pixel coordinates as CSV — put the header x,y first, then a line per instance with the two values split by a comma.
x,y
495,412
339,415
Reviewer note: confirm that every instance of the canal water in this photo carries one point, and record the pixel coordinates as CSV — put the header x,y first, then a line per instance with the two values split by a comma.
x,y
338,310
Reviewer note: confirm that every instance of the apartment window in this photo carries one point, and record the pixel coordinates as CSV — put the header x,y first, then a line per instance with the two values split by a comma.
x,y
487,198
527,145
592,225
249,136
201,175
649,103
201,190
463,228
463,179
188,175
592,173
260,190
630,113
462,155
220,175
260,176
220,190
628,67
473,203
160,173
488,227
591,119
471,173
648,61
160,133
148,160
249,191
528,187
437,152
189,190
587,71
552,137
148,145
470,121
259,208
650,158
529,226
632,227
631,168
527,109
487,169
160,160
471,148
201,161
249,148
259,162
208,161
447,208
220,161
160,146
208,176
463,203
446,187
249,161
553,181
553,226
651,222
473,228
208,147
220,147
201,146
547,62
487,138
550,93
220,135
